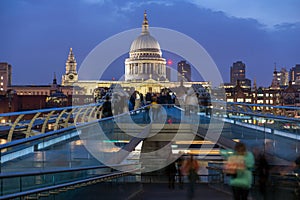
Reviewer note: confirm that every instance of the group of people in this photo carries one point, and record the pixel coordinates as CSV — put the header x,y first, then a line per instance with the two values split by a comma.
x,y
240,165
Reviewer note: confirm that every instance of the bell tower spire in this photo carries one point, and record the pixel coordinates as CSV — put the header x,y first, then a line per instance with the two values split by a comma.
x,y
71,75
145,26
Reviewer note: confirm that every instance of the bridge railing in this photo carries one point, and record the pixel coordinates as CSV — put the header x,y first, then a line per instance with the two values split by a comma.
x,y
74,146
25,124
275,134
42,183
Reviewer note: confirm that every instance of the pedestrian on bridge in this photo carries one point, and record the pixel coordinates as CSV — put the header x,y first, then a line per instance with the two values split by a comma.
x,y
190,168
171,172
239,166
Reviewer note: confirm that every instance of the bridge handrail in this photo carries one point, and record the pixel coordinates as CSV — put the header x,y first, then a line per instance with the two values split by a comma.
x,y
46,110
265,105
269,116
101,177
40,136
74,169
50,133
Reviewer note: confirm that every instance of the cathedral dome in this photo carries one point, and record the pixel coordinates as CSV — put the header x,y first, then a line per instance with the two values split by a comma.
x,y
145,58
144,41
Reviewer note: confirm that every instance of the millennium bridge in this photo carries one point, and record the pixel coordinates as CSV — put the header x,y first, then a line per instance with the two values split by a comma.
x,y
69,153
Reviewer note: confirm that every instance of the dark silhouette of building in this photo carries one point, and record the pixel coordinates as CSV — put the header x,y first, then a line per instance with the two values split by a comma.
x,y
295,74
5,76
237,72
184,71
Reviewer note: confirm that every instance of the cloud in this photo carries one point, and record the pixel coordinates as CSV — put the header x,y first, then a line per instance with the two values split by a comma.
x,y
133,5
286,26
267,12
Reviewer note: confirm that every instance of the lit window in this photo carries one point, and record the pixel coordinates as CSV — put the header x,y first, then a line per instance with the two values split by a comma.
x,y
1,83
1,77
229,100
248,100
240,100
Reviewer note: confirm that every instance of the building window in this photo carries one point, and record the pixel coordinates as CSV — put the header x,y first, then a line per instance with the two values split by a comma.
x,y
1,77
229,100
248,100
260,101
1,83
240,100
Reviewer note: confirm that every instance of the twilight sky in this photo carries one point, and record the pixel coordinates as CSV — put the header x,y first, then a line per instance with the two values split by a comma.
x,y
36,34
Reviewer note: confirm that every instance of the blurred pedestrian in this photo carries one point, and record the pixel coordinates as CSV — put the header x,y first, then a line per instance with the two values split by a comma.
x,y
262,171
106,108
155,109
239,165
190,168
171,172
179,163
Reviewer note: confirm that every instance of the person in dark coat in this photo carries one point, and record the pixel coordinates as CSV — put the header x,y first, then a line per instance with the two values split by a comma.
x,y
262,170
171,172
106,108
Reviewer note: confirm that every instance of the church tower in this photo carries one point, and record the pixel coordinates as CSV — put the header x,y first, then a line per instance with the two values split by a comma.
x,y
70,75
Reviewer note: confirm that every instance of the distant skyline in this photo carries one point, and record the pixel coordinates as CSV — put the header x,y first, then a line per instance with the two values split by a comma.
x,y
36,35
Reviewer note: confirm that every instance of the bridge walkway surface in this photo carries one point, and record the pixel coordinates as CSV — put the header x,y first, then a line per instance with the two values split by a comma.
x,y
160,191
146,191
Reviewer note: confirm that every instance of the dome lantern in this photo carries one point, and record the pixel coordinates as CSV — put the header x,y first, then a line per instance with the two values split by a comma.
x,y
145,26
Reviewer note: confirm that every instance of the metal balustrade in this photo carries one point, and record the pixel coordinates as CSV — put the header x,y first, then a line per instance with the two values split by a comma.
x,y
29,123
45,183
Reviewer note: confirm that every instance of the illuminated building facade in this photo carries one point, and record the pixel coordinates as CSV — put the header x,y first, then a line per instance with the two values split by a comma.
x,y
5,76
184,71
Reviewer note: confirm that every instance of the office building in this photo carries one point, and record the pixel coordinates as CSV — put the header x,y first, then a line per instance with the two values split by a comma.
x,y
5,77
184,71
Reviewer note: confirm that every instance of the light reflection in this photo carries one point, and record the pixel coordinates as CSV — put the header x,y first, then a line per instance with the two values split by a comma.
x,y
194,142
38,156
197,151
3,141
78,142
